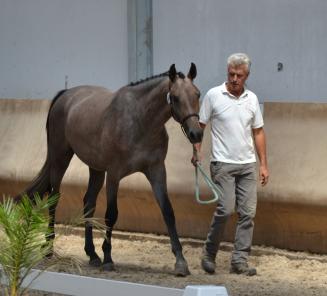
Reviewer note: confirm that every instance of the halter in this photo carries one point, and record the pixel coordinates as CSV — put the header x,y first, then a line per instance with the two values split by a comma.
x,y
183,120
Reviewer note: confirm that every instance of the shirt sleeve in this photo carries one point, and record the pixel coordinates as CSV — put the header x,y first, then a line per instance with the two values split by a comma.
x,y
257,119
205,109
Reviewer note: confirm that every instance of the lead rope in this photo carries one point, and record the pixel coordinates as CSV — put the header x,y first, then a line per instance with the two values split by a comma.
x,y
214,188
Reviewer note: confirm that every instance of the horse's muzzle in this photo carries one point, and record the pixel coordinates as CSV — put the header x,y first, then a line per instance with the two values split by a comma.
x,y
195,135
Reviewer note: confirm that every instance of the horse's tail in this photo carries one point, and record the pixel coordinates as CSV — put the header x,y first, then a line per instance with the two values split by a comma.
x,y
41,184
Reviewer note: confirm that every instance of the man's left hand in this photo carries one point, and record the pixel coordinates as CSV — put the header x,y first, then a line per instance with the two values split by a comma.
x,y
264,175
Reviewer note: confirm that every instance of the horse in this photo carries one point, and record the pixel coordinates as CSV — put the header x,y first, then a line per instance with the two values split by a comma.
x,y
117,134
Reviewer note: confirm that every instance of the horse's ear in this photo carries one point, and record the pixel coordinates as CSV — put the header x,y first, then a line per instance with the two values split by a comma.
x,y
172,73
192,72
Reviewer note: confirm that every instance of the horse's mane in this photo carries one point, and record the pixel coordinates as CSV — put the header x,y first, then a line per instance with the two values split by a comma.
x,y
180,75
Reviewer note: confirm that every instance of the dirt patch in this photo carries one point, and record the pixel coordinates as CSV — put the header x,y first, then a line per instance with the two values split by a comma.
x,y
147,259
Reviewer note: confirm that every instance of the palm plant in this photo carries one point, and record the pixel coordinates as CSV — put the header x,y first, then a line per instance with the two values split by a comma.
x,y
23,238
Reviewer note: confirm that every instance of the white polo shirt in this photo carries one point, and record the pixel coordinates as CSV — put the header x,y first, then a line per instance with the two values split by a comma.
x,y
232,120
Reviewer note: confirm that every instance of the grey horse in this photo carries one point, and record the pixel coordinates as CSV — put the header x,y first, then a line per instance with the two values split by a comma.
x,y
117,134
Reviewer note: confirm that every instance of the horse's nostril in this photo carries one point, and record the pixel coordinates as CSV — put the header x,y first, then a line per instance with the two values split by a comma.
x,y
195,136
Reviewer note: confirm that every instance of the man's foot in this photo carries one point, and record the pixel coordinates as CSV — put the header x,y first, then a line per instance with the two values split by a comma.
x,y
243,268
208,264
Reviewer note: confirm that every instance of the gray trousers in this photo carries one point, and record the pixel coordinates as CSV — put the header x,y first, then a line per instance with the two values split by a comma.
x,y
239,187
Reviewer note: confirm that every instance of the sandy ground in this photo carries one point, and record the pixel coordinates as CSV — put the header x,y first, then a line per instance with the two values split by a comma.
x,y
147,259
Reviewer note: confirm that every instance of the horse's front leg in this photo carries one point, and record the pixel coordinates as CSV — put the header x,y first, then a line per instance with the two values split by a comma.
x,y
96,181
157,177
110,219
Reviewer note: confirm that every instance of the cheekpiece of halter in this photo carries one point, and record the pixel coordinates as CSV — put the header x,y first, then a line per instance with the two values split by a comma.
x,y
183,120
170,102
168,98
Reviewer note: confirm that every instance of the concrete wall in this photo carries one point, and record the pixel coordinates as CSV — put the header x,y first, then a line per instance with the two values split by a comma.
x,y
291,209
44,43
270,31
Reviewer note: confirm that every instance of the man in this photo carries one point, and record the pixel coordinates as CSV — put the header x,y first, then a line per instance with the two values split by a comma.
x,y
236,122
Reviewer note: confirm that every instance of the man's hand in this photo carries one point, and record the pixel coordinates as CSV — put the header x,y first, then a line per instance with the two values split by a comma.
x,y
197,155
260,144
195,159
264,175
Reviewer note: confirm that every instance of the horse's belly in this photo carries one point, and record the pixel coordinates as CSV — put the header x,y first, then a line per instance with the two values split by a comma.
x,y
121,163
90,156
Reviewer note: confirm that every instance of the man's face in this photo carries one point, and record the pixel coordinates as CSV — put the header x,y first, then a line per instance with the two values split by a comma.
x,y
237,76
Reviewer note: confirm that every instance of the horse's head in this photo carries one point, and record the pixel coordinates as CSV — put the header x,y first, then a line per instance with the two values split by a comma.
x,y
184,101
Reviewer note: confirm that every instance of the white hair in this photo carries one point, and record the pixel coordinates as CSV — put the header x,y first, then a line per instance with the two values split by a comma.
x,y
237,59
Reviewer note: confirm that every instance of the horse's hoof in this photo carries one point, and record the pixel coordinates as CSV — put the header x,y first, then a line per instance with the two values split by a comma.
x,y
95,262
48,250
181,269
109,266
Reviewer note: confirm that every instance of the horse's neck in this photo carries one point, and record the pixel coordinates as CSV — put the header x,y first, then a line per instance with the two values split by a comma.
x,y
155,108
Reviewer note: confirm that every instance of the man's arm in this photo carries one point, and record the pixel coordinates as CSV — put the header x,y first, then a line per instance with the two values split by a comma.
x,y
260,145
197,156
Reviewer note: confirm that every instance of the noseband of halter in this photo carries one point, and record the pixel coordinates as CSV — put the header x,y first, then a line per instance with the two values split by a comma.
x,y
173,113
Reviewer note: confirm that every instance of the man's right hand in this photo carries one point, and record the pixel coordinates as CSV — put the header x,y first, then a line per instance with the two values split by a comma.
x,y
194,160
197,156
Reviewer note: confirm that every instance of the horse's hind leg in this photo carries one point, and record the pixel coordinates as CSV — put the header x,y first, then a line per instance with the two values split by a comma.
x,y
110,218
157,177
59,164
95,184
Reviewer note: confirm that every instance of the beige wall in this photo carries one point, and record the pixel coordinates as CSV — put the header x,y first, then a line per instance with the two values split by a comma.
x,y
291,209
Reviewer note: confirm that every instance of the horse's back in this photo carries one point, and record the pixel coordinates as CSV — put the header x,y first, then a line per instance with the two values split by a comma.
x,y
86,96
80,107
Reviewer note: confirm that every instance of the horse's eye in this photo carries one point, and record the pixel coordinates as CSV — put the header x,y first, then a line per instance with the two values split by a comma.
x,y
198,95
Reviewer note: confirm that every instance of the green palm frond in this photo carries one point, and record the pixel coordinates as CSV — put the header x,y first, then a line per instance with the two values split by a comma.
x,y
23,237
